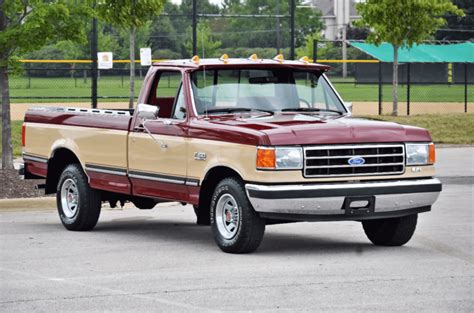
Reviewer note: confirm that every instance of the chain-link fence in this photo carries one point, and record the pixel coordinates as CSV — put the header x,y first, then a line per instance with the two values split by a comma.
x,y
423,88
72,84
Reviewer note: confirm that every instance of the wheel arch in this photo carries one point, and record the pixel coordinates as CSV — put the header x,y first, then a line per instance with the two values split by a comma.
x,y
213,176
59,159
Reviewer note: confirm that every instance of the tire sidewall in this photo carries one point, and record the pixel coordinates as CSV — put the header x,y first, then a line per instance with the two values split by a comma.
x,y
219,192
71,172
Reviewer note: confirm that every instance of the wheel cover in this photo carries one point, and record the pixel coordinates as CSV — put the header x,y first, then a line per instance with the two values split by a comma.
x,y
69,198
227,216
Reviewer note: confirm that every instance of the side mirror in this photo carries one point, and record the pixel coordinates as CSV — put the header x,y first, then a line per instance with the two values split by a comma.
x,y
348,106
147,112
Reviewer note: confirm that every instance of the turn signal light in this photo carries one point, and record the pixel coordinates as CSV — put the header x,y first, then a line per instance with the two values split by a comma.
x,y
195,59
432,153
224,58
266,158
253,57
304,59
23,135
279,58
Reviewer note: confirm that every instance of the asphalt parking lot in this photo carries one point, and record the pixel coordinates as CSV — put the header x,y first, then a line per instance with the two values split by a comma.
x,y
159,260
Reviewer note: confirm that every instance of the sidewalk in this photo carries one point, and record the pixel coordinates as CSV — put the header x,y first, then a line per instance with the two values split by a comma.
x,y
455,165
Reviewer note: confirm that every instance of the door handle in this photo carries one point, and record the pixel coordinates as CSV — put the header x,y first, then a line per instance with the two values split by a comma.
x,y
139,128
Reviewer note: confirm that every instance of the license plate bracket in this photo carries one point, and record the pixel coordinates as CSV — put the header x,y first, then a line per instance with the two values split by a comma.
x,y
359,205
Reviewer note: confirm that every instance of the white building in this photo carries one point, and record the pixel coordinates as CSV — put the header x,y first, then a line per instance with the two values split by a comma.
x,y
336,14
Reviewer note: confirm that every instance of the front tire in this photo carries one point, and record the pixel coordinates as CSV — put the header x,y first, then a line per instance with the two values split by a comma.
x,y
236,227
78,204
391,231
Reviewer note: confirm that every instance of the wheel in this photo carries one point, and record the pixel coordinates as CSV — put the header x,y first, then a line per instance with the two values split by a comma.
x,y
78,204
391,231
236,227
144,203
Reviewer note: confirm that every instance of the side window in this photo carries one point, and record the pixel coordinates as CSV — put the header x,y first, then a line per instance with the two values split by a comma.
x,y
167,84
179,111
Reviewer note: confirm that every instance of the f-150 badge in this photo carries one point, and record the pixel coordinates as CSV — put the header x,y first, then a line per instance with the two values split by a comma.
x,y
200,156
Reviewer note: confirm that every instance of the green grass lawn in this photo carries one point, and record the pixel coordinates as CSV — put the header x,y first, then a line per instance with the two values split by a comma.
x,y
113,87
456,128
68,87
16,137
453,128
418,93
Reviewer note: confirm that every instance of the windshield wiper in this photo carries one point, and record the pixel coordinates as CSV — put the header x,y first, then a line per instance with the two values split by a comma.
x,y
236,109
311,110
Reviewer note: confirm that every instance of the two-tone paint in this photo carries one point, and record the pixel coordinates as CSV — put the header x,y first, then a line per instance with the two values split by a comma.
x,y
118,156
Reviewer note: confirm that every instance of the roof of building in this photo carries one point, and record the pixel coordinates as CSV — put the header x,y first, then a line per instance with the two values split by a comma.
x,y
423,53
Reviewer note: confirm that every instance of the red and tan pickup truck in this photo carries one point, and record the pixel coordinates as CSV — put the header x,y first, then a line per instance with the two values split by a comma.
x,y
247,142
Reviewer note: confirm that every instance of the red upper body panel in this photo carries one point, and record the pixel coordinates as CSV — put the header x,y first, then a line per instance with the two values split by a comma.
x,y
302,129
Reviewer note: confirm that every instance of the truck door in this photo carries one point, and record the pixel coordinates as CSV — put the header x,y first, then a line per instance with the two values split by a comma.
x,y
157,148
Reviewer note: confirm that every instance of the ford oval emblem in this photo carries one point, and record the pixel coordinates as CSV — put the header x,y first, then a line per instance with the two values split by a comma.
x,y
356,160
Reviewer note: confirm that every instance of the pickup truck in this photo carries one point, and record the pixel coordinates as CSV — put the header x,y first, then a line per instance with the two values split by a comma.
x,y
246,142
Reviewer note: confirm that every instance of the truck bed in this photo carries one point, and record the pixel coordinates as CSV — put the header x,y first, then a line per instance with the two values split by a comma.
x,y
97,137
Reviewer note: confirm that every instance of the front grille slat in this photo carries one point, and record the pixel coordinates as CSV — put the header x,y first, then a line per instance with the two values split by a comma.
x,y
357,166
333,161
342,157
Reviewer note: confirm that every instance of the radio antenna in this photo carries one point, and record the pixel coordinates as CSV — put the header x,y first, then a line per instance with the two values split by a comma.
x,y
204,67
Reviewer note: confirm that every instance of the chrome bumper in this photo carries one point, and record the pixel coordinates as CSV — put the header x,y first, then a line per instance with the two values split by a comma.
x,y
349,200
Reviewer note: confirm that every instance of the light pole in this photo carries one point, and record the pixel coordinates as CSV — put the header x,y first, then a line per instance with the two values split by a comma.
x,y
292,29
94,48
195,27
345,17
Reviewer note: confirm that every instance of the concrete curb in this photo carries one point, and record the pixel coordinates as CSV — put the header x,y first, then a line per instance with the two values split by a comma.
x,y
49,204
28,204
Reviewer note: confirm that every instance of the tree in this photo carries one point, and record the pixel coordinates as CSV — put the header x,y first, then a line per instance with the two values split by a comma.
x,y
206,45
459,28
402,24
129,15
262,32
27,25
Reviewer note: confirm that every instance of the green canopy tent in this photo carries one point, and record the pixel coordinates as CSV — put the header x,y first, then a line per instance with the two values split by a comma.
x,y
423,53
430,65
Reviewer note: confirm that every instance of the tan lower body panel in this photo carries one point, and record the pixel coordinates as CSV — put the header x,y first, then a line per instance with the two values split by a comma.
x,y
101,152
186,158
242,159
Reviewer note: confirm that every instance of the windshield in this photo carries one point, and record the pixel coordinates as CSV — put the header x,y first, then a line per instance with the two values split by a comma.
x,y
280,89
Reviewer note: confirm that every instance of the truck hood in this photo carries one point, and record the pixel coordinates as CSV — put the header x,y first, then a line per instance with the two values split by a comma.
x,y
306,129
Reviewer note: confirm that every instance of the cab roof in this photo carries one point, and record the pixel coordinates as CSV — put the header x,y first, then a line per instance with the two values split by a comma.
x,y
198,64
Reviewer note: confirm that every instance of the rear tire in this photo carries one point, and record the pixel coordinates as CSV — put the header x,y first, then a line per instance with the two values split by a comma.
x,y
391,231
236,226
78,204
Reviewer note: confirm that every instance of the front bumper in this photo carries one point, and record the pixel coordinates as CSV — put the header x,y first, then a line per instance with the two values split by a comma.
x,y
344,201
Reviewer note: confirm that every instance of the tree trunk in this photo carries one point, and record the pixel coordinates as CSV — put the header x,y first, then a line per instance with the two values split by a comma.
x,y
7,151
395,81
132,67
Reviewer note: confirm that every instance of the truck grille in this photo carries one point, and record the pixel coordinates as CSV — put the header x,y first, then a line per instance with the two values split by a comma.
x,y
330,161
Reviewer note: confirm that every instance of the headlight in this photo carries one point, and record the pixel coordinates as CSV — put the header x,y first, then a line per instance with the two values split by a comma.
x,y
420,154
280,158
